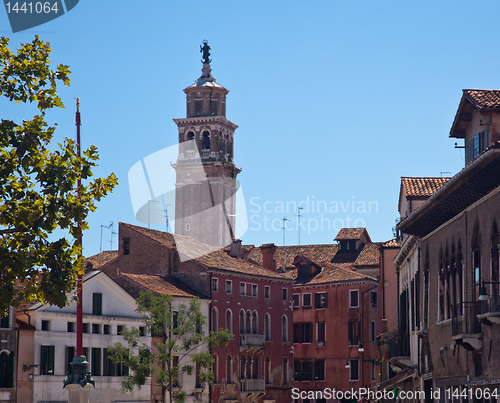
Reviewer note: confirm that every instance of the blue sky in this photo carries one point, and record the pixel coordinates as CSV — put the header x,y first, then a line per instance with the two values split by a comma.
x,y
335,100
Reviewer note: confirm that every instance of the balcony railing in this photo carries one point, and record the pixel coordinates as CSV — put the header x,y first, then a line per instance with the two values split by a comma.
x,y
399,346
464,317
252,340
252,385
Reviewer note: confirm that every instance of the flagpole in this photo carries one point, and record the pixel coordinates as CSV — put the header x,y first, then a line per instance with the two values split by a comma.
x,y
79,307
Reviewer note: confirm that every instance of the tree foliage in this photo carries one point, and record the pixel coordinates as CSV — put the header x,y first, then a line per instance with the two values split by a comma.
x,y
38,187
178,332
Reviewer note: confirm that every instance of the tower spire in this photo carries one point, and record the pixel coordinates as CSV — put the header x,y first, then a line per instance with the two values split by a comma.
x,y
206,75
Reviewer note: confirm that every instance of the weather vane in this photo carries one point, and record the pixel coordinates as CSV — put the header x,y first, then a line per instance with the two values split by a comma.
x,y
206,52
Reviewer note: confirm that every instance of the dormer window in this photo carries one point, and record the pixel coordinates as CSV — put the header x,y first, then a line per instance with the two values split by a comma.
x,y
477,145
303,271
352,245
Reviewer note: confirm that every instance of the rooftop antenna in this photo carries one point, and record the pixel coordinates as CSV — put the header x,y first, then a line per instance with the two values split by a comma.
x,y
112,233
445,172
109,227
166,216
150,201
298,220
284,228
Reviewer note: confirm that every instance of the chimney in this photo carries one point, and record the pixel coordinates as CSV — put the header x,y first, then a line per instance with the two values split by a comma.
x,y
235,248
268,256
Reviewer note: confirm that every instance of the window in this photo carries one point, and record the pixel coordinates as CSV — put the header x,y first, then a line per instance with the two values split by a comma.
x,y
96,328
229,321
106,329
71,327
255,323
374,298
215,367
297,333
353,298
47,360
284,371
119,329
229,370
267,292
142,331
96,361
319,370
352,245
267,370
320,334
267,327
126,246
373,330
199,384
6,369
476,145
215,319
70,355
307,331
303,371
45,324
215,284
108,366
206,141
285,294
97,303
254,290
303,272
284,328
296,300
229,287
242,289
306,300
353,335
85,328
354,371
5,321
320,300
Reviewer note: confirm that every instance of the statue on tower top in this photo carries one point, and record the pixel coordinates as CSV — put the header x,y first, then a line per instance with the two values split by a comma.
x,y
206,52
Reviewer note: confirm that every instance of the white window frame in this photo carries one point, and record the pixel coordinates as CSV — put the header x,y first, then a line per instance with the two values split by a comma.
x,y
256,288
298,300
284,290
310,300
267,292
229,286
243,288
215,284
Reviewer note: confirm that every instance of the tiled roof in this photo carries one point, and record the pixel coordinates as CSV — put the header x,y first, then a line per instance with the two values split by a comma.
x,y
393,243
285,255
484,98
334,273
205,255
349,234
97,261
162,285
422,187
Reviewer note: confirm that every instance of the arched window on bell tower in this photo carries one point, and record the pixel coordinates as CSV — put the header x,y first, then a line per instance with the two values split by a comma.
x,y
206,140
189,137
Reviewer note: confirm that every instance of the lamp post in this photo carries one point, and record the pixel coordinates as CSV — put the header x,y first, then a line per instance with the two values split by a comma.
x,y
79,381
483,295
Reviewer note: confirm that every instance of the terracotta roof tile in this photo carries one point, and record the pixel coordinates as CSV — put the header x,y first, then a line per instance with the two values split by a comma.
x,y
97,261
349,234
285,255
205,255
368,256
393,243
484,98
422,187
162,285
334,273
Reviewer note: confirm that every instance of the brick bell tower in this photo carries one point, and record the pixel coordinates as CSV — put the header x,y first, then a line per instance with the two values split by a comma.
x,y
206,183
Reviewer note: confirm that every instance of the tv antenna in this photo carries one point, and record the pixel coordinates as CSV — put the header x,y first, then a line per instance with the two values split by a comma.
x,y
298,220
110,226
284,228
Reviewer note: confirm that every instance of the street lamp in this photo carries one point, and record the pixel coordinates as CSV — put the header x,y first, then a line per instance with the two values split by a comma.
x,y
483,295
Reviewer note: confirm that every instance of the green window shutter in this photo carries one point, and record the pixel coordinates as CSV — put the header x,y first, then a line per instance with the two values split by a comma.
x,y
70,355
97,303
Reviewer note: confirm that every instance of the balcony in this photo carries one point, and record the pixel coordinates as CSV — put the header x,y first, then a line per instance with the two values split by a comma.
x,y
321,344
399,351
252,342
251,386
465,324
491,312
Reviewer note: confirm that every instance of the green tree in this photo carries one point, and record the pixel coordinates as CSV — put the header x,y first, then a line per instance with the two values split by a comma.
x,y
38,187
177,335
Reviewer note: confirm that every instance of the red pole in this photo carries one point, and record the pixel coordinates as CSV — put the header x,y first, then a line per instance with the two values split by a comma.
x,y
79,307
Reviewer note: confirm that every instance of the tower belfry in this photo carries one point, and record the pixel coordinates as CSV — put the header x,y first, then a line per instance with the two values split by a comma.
x,y
206,183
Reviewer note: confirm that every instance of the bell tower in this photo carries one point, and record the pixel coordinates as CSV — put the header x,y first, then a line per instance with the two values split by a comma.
x,y
206,183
